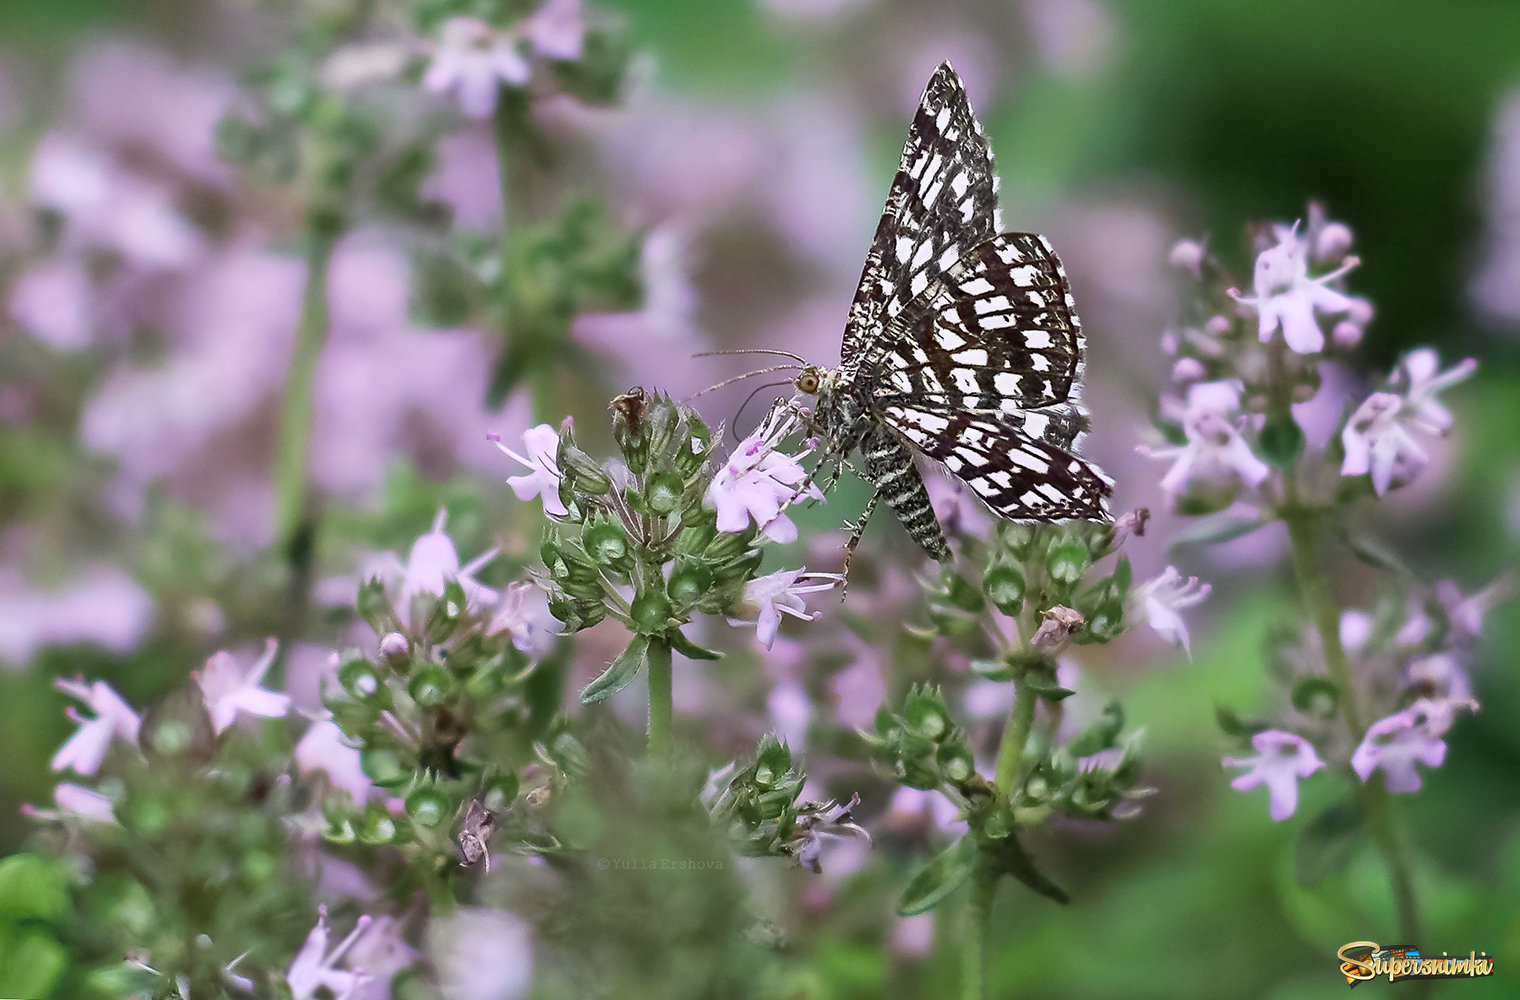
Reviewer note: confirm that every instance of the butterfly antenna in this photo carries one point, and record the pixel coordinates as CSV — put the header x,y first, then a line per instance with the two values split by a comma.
x,y
737,378
755,350
751,396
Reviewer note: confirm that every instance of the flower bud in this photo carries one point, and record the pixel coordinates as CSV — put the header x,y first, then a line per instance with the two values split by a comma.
x,y
396,651
1004,586
430,686
363,683
580,470
428,806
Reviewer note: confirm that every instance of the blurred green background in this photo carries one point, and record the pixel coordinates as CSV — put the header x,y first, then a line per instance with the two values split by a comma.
x,y
1235,111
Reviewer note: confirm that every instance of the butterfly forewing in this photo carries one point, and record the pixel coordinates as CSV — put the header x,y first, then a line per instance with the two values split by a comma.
x,y
995,333
942,203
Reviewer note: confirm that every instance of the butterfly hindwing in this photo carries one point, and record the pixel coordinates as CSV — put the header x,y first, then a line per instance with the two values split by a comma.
x,y
1019,476
942,203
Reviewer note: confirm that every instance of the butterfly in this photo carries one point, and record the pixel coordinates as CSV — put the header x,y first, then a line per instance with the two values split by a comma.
x,y
962,344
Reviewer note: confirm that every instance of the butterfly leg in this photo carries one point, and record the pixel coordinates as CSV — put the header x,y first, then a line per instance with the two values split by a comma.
x,y
856,531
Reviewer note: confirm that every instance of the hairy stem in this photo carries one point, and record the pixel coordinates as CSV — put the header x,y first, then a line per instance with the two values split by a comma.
x,y
294,434
661,710
984,886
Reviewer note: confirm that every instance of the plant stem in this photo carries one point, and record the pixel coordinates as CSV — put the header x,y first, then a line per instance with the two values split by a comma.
x,y
1315,591
294,436
1015,736
984,886
661,709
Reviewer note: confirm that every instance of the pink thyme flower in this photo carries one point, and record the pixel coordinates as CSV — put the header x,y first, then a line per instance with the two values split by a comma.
x,y
1379,439
431,564
314,967
1216,458
524,615
482,954
543,476
1288,299
75,802
1282,760
325,749
759,482
1394,745
85,751
765,598
471,61
229,689
1161,599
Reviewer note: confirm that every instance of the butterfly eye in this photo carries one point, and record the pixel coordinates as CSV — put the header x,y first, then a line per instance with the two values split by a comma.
x,y
808,383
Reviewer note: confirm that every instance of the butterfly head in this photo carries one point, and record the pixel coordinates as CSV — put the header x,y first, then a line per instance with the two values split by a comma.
x,y
811,380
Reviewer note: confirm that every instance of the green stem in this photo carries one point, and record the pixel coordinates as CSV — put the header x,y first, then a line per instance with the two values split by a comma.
x,y
1015,737
661,710
984,886
1315,590
294,435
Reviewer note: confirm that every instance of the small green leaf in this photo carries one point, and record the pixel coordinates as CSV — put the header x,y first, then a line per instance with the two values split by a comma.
x,y
939,878
1231,724
1317,696
31,962
1327,843
1375,554
620,673
1012,860
31,888
689,649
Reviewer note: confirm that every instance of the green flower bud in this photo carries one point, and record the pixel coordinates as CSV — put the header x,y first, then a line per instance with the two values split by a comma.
x,y
427,806
1004,585
664,494
651,613
1067,564
383,767
926,714
363,682
606,543
689,581
580,470
430,687
375,607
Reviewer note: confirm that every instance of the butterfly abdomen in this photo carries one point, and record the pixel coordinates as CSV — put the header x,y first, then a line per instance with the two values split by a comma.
x,y
889,465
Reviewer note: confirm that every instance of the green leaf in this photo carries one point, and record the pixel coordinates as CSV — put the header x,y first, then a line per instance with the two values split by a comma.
x,y
1231,724
620,673
31,962
939,878
1328,842
31,888
689,649
1317,696
1012,860
1374,553
1215,529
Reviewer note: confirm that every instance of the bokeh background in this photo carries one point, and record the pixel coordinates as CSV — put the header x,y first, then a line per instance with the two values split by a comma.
x,y
754,147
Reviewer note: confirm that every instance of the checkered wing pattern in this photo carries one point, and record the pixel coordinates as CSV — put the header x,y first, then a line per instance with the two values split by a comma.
x,y
942,203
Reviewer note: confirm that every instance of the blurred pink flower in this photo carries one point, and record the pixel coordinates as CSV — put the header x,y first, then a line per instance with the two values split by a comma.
x,y
1282,760
103,607
1495,287
53,301
543,475
471,61
315,968
767,597
482,954
85,751
1394,745
913,937
1379,438
523,613
1160,600
324,748
431,564
791,712
859,690
108,207
1288,299
229,689
75,802
152,104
